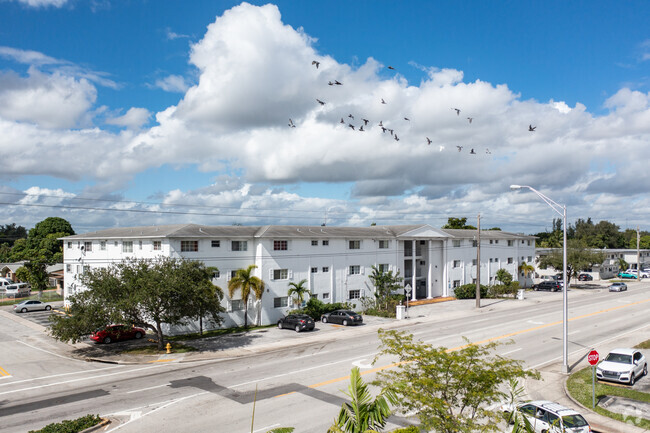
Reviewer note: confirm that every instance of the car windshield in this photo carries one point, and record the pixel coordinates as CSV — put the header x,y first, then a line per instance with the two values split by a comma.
x,y
619,357
574,421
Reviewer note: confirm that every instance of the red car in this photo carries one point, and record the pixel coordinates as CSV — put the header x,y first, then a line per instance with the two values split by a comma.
x,y
117,333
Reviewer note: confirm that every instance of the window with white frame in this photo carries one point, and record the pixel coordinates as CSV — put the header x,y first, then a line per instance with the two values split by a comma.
x,y
68,268
354,294
215,244
474,262
530,259
281,302
326,242
528,242
239,245
189,246
490,259
455,243
314,242
88,246
491,241
496,241
314,270
384,244
233,273
475,243
354,245
216,274
280,274
456,283
326,295
157,245
280,245
127,246
383,267
102,245
69,245
237,305
115,243
140,245
510,243
510,260
326,269
354,270
456,264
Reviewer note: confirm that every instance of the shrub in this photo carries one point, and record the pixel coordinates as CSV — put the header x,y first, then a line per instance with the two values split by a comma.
x,y
316,308
70,426
501,290
468,291
409,429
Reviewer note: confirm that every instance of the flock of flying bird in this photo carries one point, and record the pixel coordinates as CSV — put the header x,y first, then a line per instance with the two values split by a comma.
x,y
385,129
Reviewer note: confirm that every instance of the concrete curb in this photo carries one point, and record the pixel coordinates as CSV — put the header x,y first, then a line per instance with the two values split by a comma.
x,y
105,422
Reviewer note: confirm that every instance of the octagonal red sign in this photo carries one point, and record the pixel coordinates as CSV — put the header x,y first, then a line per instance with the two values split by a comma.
x,y
593,357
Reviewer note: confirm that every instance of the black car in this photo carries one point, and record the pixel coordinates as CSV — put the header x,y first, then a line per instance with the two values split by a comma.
x,y
551,286
342,317
297,322
585,277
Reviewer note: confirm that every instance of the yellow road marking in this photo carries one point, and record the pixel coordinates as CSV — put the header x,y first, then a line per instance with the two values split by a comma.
x,y
385,367
3,372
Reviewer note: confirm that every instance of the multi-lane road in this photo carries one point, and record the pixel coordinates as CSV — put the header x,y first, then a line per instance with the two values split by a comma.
x,y
299,386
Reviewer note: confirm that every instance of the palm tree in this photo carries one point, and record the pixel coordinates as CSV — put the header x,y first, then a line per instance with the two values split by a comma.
x,y
527,270
362,414
245,281
299,290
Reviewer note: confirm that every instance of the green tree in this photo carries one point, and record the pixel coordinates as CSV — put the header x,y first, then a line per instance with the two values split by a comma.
x,y
362,413
451,390
209,299
245,281
38,277
579,258
385,283
299,291
458,223
22,274
504,276
147,293
526,269
622,264
10,233
51,225
42,243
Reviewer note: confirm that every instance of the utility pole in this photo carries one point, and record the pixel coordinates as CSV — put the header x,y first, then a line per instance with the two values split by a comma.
x,y
638,254
478,262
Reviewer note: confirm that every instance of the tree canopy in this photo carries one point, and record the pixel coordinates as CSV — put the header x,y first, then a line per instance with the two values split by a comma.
x,y
579,258
458,223
247,283
147,293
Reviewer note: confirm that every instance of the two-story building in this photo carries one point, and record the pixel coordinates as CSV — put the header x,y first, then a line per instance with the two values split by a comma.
x,y
335,261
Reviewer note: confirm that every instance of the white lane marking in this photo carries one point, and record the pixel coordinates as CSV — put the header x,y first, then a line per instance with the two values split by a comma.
x,y
80,379
535,322
312,354
169,403
6,377
512,351
574,332
62,374
267,428
147,389
362,364
47,351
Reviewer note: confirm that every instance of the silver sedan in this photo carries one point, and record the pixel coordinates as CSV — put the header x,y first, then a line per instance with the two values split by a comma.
x,y
31,305
618,287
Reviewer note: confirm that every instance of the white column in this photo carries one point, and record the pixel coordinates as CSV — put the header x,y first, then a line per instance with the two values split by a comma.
x,y
429,271
413,267
445,269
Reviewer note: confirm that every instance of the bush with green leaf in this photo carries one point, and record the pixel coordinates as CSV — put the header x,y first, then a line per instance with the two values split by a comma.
x,y
468,291
315,308
70,426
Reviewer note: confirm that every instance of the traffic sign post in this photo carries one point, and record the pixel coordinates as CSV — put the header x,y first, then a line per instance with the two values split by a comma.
x,y
407,289
593,358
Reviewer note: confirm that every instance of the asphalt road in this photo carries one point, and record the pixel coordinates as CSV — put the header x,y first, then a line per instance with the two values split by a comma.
x,y
300,386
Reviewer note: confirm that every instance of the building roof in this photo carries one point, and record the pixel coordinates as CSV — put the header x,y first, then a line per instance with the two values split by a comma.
x,y
487,234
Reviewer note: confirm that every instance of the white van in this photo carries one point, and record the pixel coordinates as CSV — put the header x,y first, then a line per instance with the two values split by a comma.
x,y
4,282
18,290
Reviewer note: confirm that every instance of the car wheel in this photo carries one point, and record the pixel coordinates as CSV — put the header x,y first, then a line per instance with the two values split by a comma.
x,y
297,328
324,319
345,322
24,310
107,340
48,308
632,379
645,370
138,335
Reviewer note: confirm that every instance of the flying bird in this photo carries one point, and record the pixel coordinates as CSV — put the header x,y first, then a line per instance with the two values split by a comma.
x,y
391,68
320,102
361,128
459,148
472,152
470,119
488,151
338,83
350,116
381,123
532,128
382,101
391,131
457,111
396,138
351,126
383,129
342,121
314,62
330,83
407,119
428,140
365,121
291,123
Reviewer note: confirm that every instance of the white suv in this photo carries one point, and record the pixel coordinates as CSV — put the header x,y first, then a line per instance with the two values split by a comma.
x,y
548,417
622,365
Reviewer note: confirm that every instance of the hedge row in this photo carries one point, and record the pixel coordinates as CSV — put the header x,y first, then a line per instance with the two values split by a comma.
x,y
70,426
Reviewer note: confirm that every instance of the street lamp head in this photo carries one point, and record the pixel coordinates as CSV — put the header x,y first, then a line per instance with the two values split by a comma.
x,y
513,187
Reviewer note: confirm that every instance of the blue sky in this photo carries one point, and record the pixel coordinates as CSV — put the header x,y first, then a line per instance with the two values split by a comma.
x,y
139,101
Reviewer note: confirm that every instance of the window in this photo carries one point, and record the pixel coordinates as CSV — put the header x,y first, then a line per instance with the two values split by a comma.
x,y
354,294
423,242
456,283
510,243
530,259
510,260
237,305
456,263
326,243
139,244
355,245
69,245
280,245
455,243
384,244
522,258
157,245
102,245
127,246
491,241
233,273
215,244
326,269
496,241
88,246
68,268
354,270
326,295
314,242
490,259
280,274
216,274
314,270
528,242
280,302
383,267
115,243
475,243
474,262
189,246
239,246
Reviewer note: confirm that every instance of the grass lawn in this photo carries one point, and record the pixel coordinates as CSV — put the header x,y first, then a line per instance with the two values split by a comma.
x,y
152,349
644,346
579,386
216,333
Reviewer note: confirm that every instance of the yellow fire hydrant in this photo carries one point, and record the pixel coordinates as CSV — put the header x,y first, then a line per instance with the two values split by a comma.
x,y
169,348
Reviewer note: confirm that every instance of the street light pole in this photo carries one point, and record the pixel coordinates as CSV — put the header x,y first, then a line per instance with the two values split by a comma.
x,y
560,209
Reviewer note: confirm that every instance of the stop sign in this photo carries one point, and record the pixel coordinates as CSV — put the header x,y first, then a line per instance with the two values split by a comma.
x,y
593,357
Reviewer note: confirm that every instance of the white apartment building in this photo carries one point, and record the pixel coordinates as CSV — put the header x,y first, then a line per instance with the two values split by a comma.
x,y
335,261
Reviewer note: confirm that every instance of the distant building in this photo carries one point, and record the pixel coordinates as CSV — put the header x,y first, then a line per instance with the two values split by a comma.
x,y
601,271
335,261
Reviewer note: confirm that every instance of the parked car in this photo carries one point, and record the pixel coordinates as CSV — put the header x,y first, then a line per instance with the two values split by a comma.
x,y
554,286
626,275
618,287
18,290
4,282
547,416
117,333
342,317
31,305
644,273
585,277
622,365
297,322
